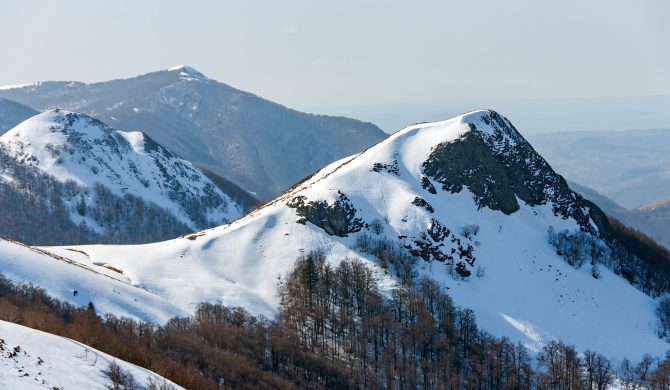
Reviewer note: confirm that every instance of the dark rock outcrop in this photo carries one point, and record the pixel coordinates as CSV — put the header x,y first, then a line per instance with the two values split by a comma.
x,y
337,219
499,167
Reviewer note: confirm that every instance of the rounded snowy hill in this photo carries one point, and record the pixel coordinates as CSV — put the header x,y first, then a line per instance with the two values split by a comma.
x,y
470,203
84,153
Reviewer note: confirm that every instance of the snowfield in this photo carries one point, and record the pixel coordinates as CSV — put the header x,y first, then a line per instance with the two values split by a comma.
x,y
519,287
78,148
80,284
30,359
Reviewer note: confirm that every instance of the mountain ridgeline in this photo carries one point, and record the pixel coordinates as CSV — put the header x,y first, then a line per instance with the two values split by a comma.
x,y
69,178
466,202
261,146
500,168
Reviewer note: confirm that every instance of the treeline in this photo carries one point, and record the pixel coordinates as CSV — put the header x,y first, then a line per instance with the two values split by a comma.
x,y
335,330
217,348
647,263
123,338
628,253
417,338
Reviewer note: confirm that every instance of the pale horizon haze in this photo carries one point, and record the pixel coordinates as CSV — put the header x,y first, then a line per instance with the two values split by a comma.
x,y
388,62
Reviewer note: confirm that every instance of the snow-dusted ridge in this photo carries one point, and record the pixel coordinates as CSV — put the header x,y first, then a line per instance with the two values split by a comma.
x,y
77,148
13,86
30,359
186,72
424,185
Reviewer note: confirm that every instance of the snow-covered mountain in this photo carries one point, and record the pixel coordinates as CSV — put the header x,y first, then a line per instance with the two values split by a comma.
x,y
13,113
30,359
260,145
467,201
121,185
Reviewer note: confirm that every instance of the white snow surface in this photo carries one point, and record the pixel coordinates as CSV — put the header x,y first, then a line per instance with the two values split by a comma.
x,y
71,146
46,361
528,293
61,277
188,73
14,86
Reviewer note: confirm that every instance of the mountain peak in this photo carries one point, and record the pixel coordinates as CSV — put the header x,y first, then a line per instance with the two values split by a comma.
x,y
188,72
75,147
502,171
480,151
57,120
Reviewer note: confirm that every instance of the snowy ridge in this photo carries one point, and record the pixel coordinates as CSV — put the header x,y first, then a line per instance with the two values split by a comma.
x,y
14,86
74,147
512,278
30,359
186,72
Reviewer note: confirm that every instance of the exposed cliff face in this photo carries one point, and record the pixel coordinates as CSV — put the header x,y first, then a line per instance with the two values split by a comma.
x,y
500,168
468,162
336,219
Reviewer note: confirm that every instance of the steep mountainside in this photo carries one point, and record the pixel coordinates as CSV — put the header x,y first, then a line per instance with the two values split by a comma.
x,y
13,113
258,144
108,185
467,202
30,359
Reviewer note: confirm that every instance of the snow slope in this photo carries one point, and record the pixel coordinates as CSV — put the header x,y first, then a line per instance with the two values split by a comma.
x,y
424,185
61,278
74,147
30,359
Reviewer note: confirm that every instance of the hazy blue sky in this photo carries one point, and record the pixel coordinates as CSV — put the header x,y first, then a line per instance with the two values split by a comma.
x,y
309,54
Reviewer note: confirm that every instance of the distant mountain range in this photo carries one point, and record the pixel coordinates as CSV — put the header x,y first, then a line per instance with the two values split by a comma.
x,y
652,219
467,202
262,146
66,177
630,167
13,113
